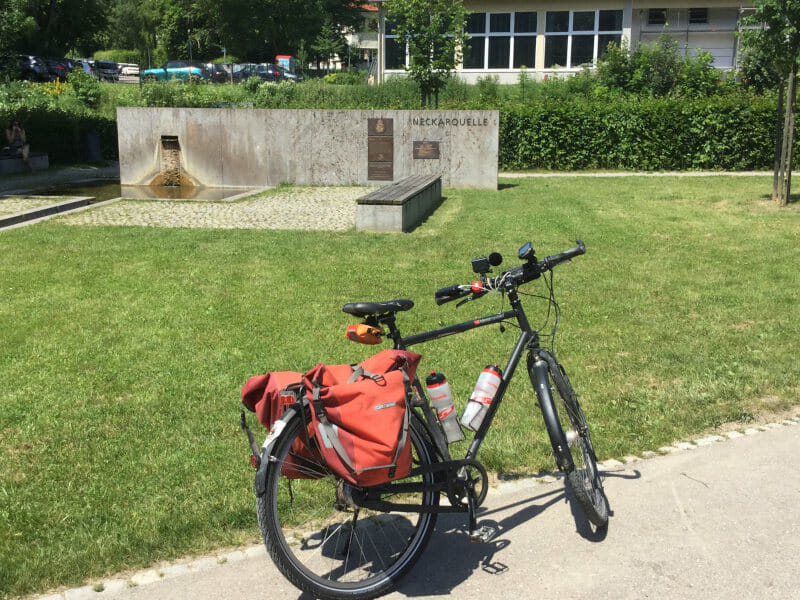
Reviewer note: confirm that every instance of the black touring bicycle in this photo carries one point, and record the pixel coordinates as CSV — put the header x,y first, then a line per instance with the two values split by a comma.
x,y
335,540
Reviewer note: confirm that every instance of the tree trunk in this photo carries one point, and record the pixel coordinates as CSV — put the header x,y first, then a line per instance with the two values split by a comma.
x,y
776,165
785,182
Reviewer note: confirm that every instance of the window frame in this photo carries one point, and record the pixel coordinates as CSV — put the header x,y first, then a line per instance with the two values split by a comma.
x,y
571,33
700,16
503,37
654,17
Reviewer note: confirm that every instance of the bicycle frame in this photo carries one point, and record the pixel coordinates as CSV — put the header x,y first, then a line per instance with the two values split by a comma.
x,y
528,339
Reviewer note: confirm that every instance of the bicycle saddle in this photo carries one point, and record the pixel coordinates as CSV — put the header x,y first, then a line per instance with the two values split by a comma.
x,y
368,309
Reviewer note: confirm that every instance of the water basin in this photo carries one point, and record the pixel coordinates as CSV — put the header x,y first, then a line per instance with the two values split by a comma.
x,y
107,190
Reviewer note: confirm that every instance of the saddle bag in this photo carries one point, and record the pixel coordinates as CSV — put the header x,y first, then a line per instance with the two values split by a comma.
x,y
361,416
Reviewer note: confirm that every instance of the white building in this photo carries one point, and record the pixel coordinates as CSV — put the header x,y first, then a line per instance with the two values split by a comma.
x,y
551,37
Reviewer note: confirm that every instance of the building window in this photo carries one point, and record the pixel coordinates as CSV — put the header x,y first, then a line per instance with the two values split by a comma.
x,y
500,40
474,50
579,38
657,16
698,16
395,48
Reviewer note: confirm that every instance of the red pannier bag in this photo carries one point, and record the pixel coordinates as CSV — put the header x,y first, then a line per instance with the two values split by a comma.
x,y
361,416
262,395
269,396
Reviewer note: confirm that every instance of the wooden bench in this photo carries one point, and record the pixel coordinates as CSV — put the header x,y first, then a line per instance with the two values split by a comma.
x,y
400,206
10,163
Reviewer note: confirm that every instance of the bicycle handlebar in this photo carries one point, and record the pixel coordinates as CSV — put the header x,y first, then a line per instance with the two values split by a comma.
x,y
555,260
453,292
517,275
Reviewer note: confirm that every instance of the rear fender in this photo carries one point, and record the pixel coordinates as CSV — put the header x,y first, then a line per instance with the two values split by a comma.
x,y
275,433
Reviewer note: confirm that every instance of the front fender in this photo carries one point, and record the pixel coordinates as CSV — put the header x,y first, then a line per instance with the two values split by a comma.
x,y
275,432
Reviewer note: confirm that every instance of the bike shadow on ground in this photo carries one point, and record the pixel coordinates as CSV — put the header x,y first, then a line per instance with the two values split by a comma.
x,y
451,558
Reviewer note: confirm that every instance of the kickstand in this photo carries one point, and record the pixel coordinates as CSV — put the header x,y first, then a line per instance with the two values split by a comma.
x,y
477,534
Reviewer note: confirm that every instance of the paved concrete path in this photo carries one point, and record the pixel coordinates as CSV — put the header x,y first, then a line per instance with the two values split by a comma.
x,y
715,519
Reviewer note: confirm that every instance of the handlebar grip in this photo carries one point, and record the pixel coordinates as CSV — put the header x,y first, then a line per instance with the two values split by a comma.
x,y
552,261
447,294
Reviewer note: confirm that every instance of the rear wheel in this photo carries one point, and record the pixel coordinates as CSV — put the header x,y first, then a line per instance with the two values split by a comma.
x,y
322,542
583,477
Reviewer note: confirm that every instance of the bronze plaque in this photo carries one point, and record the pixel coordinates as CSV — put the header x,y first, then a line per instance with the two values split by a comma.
x,y
426,149
380,127
380,171
380,149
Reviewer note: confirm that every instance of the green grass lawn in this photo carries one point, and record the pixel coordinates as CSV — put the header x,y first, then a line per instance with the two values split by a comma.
x,y
124,349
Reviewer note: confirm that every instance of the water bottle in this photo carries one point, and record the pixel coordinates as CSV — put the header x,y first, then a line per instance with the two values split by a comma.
x,y
481,398
442,401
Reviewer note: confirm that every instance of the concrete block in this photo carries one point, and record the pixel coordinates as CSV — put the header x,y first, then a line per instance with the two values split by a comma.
x,y
399,207
39,161
222,147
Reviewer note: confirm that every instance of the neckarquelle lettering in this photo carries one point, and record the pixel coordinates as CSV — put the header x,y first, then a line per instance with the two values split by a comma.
x,y
450,121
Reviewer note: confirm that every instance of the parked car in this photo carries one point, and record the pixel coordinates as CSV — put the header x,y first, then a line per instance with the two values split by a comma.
x,y
217,73
33,68
263,71
58,68
181,70
128,69
85,65
106,70
288,75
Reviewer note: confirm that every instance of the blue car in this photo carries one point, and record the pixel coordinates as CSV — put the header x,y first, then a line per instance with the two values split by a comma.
x,y
177,70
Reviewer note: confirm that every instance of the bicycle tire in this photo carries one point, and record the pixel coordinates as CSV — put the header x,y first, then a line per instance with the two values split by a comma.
x,y
317,546
584,477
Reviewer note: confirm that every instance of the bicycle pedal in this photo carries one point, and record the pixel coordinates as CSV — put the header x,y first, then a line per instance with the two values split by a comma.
x,y
482,534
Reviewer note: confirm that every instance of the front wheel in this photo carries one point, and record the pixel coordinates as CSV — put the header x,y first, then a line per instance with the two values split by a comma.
x,y
569,433
326,545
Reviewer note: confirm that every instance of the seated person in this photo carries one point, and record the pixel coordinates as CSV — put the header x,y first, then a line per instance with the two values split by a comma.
x,y
18,143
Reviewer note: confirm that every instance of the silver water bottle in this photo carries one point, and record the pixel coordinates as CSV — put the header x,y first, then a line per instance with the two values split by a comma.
x,y
442,401
481,398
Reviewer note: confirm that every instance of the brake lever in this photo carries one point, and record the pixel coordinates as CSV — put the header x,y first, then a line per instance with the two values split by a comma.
x,y
474,296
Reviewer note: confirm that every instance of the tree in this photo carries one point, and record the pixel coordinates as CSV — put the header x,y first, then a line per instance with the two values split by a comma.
x,y
13,26
133,25
328,43
64,25
773,31
434,32
257,30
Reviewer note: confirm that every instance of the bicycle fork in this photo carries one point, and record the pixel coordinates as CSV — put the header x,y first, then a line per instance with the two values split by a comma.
x,y
538,369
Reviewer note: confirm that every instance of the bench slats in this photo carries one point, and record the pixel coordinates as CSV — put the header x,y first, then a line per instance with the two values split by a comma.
x,y
400,191
400,206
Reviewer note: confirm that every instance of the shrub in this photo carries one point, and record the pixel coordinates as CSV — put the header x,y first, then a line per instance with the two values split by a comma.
x,y
658,69
118,56
85,88
346,78
720,132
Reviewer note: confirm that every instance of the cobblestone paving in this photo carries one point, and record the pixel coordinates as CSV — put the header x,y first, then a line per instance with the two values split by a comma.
x,y
13,205
324,208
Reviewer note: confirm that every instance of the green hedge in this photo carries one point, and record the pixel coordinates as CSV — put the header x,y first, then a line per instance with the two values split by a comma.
x,y
541,127
720,132
62,134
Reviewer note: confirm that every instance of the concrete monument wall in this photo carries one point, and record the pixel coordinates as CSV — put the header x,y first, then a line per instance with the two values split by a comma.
x,y
224,147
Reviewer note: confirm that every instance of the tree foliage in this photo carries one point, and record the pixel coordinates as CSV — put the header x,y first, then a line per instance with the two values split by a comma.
x,y
772,31
658,69
434,32
62,26
253,30
772,34
14,26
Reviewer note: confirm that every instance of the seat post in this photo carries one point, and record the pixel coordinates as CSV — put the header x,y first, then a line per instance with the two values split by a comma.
x,y
394,333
